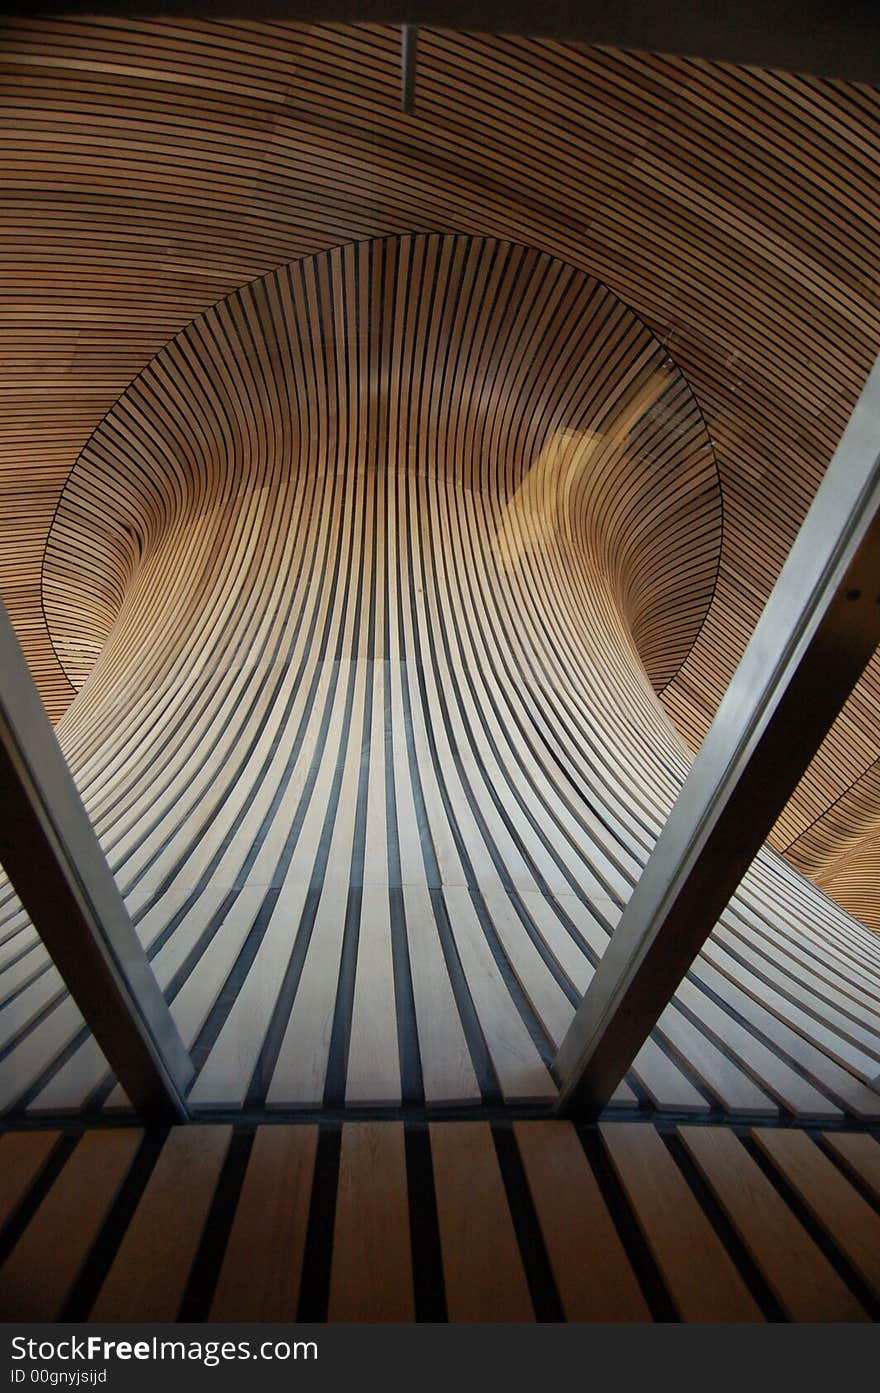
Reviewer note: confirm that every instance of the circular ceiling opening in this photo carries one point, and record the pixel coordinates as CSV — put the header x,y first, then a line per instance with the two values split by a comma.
x,y
475,361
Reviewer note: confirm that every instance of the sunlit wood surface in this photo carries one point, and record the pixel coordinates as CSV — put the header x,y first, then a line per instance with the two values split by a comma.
x,y
387,502
383,553
452,1221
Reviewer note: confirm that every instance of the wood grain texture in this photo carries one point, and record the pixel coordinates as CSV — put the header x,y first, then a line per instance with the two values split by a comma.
x,y
835,1204
464,1222
149,1273
482,1267
22,1156
841,849
698,1271
260,1276
801,1277
591,1269
725,204
860,1154
39,1274
372,1277
380,561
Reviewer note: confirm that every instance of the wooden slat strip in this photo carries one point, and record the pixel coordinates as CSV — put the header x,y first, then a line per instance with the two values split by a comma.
x,y
592,1272
482,1268
861,1153
842,1212
700,1275
22,1156
260,1276
149,1273
801,1277
39,1274
371,1277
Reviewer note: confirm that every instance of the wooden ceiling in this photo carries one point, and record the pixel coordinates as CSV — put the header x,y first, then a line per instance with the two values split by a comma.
x,y
363,582
491,366
150,168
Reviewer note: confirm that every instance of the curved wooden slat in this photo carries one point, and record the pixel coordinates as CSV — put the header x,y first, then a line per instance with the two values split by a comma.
x,y
438,497
401,533
151,167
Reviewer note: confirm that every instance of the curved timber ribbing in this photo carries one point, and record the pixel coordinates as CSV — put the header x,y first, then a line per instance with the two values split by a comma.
x,y
150,168
505,765
841,850
380,557
487,364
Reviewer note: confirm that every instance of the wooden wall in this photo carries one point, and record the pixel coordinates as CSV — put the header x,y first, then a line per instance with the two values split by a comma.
x,y
709,233
387,554
150,168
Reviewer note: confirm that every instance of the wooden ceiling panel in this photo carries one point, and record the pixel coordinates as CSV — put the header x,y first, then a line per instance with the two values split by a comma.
x,y
149,168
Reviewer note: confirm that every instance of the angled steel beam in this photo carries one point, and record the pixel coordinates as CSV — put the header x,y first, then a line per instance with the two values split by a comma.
x,y
51,854
810,646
